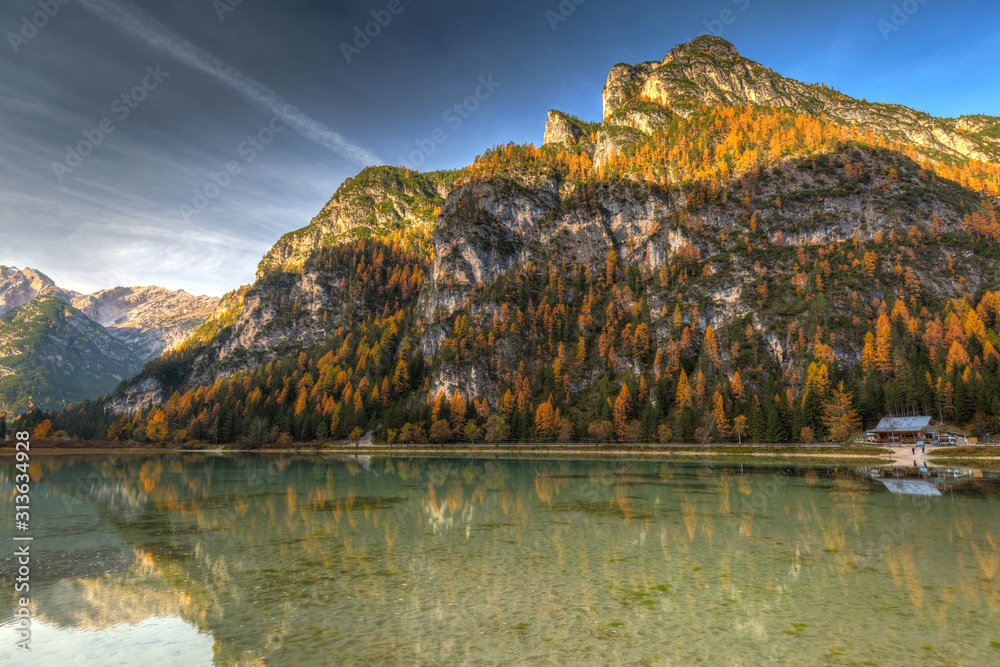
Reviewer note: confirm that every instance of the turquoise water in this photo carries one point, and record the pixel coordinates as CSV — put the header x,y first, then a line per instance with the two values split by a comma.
x,y
307,560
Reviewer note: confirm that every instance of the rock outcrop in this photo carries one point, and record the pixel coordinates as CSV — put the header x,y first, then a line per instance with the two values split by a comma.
x,y
562,129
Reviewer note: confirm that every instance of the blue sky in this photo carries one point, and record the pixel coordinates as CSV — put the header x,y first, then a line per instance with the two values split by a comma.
x,y
265,89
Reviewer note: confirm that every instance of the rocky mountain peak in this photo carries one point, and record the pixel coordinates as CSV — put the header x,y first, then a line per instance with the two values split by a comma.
x,y
708,45
709,71
19,286
149,319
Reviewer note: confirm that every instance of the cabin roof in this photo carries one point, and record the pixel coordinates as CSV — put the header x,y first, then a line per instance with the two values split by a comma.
x,y
904,424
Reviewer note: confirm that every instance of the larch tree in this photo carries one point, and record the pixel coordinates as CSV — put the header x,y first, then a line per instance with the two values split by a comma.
x,y
621,411
839,416
545,419
683,390
719,419
156,427
458,411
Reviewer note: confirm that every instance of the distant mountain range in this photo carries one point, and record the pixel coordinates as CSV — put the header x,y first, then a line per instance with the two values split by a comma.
x,y
59,347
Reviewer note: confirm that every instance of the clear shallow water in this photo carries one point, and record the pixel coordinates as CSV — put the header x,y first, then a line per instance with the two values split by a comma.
x,y
310,560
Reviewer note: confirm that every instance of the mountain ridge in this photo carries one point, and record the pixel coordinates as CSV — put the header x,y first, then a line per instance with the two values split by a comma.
x,y
145,320
52,355
711,70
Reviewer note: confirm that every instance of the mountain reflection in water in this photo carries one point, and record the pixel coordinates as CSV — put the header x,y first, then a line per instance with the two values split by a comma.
x,y
312,560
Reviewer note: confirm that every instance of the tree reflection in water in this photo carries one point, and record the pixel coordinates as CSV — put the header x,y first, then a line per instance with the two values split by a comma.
x,y
312,560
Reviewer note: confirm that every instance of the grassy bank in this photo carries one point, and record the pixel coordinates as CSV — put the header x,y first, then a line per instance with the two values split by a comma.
x,y
825,452
972,451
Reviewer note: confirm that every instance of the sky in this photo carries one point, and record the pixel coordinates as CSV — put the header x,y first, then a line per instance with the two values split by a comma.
x,y
172,142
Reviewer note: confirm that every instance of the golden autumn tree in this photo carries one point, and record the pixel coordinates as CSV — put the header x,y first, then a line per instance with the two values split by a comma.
x,y
457,411
839,416
545,419
737,385
401,377
621,411
816,388
868,353
683,390
611,266
883,345
44,429
438,404
974,326
719,419
740,427
957,357
711,345
156,427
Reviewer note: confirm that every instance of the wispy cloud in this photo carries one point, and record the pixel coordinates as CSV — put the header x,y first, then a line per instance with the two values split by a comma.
x,y
161,38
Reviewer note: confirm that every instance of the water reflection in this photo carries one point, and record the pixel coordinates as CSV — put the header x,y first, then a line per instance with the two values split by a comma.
x,y
308,560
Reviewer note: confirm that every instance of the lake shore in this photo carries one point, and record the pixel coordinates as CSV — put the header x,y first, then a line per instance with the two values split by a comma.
x,y
855,454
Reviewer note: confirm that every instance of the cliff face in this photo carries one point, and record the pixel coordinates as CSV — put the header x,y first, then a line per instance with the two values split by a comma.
x,y
710,71
563,129
531,225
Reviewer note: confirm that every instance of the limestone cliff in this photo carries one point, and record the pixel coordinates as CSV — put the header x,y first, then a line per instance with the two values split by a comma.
x,y
710,71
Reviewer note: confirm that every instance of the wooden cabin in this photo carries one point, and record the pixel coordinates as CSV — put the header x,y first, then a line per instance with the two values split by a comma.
x,y
900,430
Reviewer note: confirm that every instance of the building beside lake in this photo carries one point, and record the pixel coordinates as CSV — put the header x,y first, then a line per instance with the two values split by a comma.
x,y
904,429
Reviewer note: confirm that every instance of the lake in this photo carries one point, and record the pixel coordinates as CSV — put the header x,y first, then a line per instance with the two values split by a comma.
x,y
312,560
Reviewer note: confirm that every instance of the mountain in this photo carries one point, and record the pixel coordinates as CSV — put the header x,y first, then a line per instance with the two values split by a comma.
x,y
107,336
52,355
372,204
147,319
19,286
711,72
727,253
